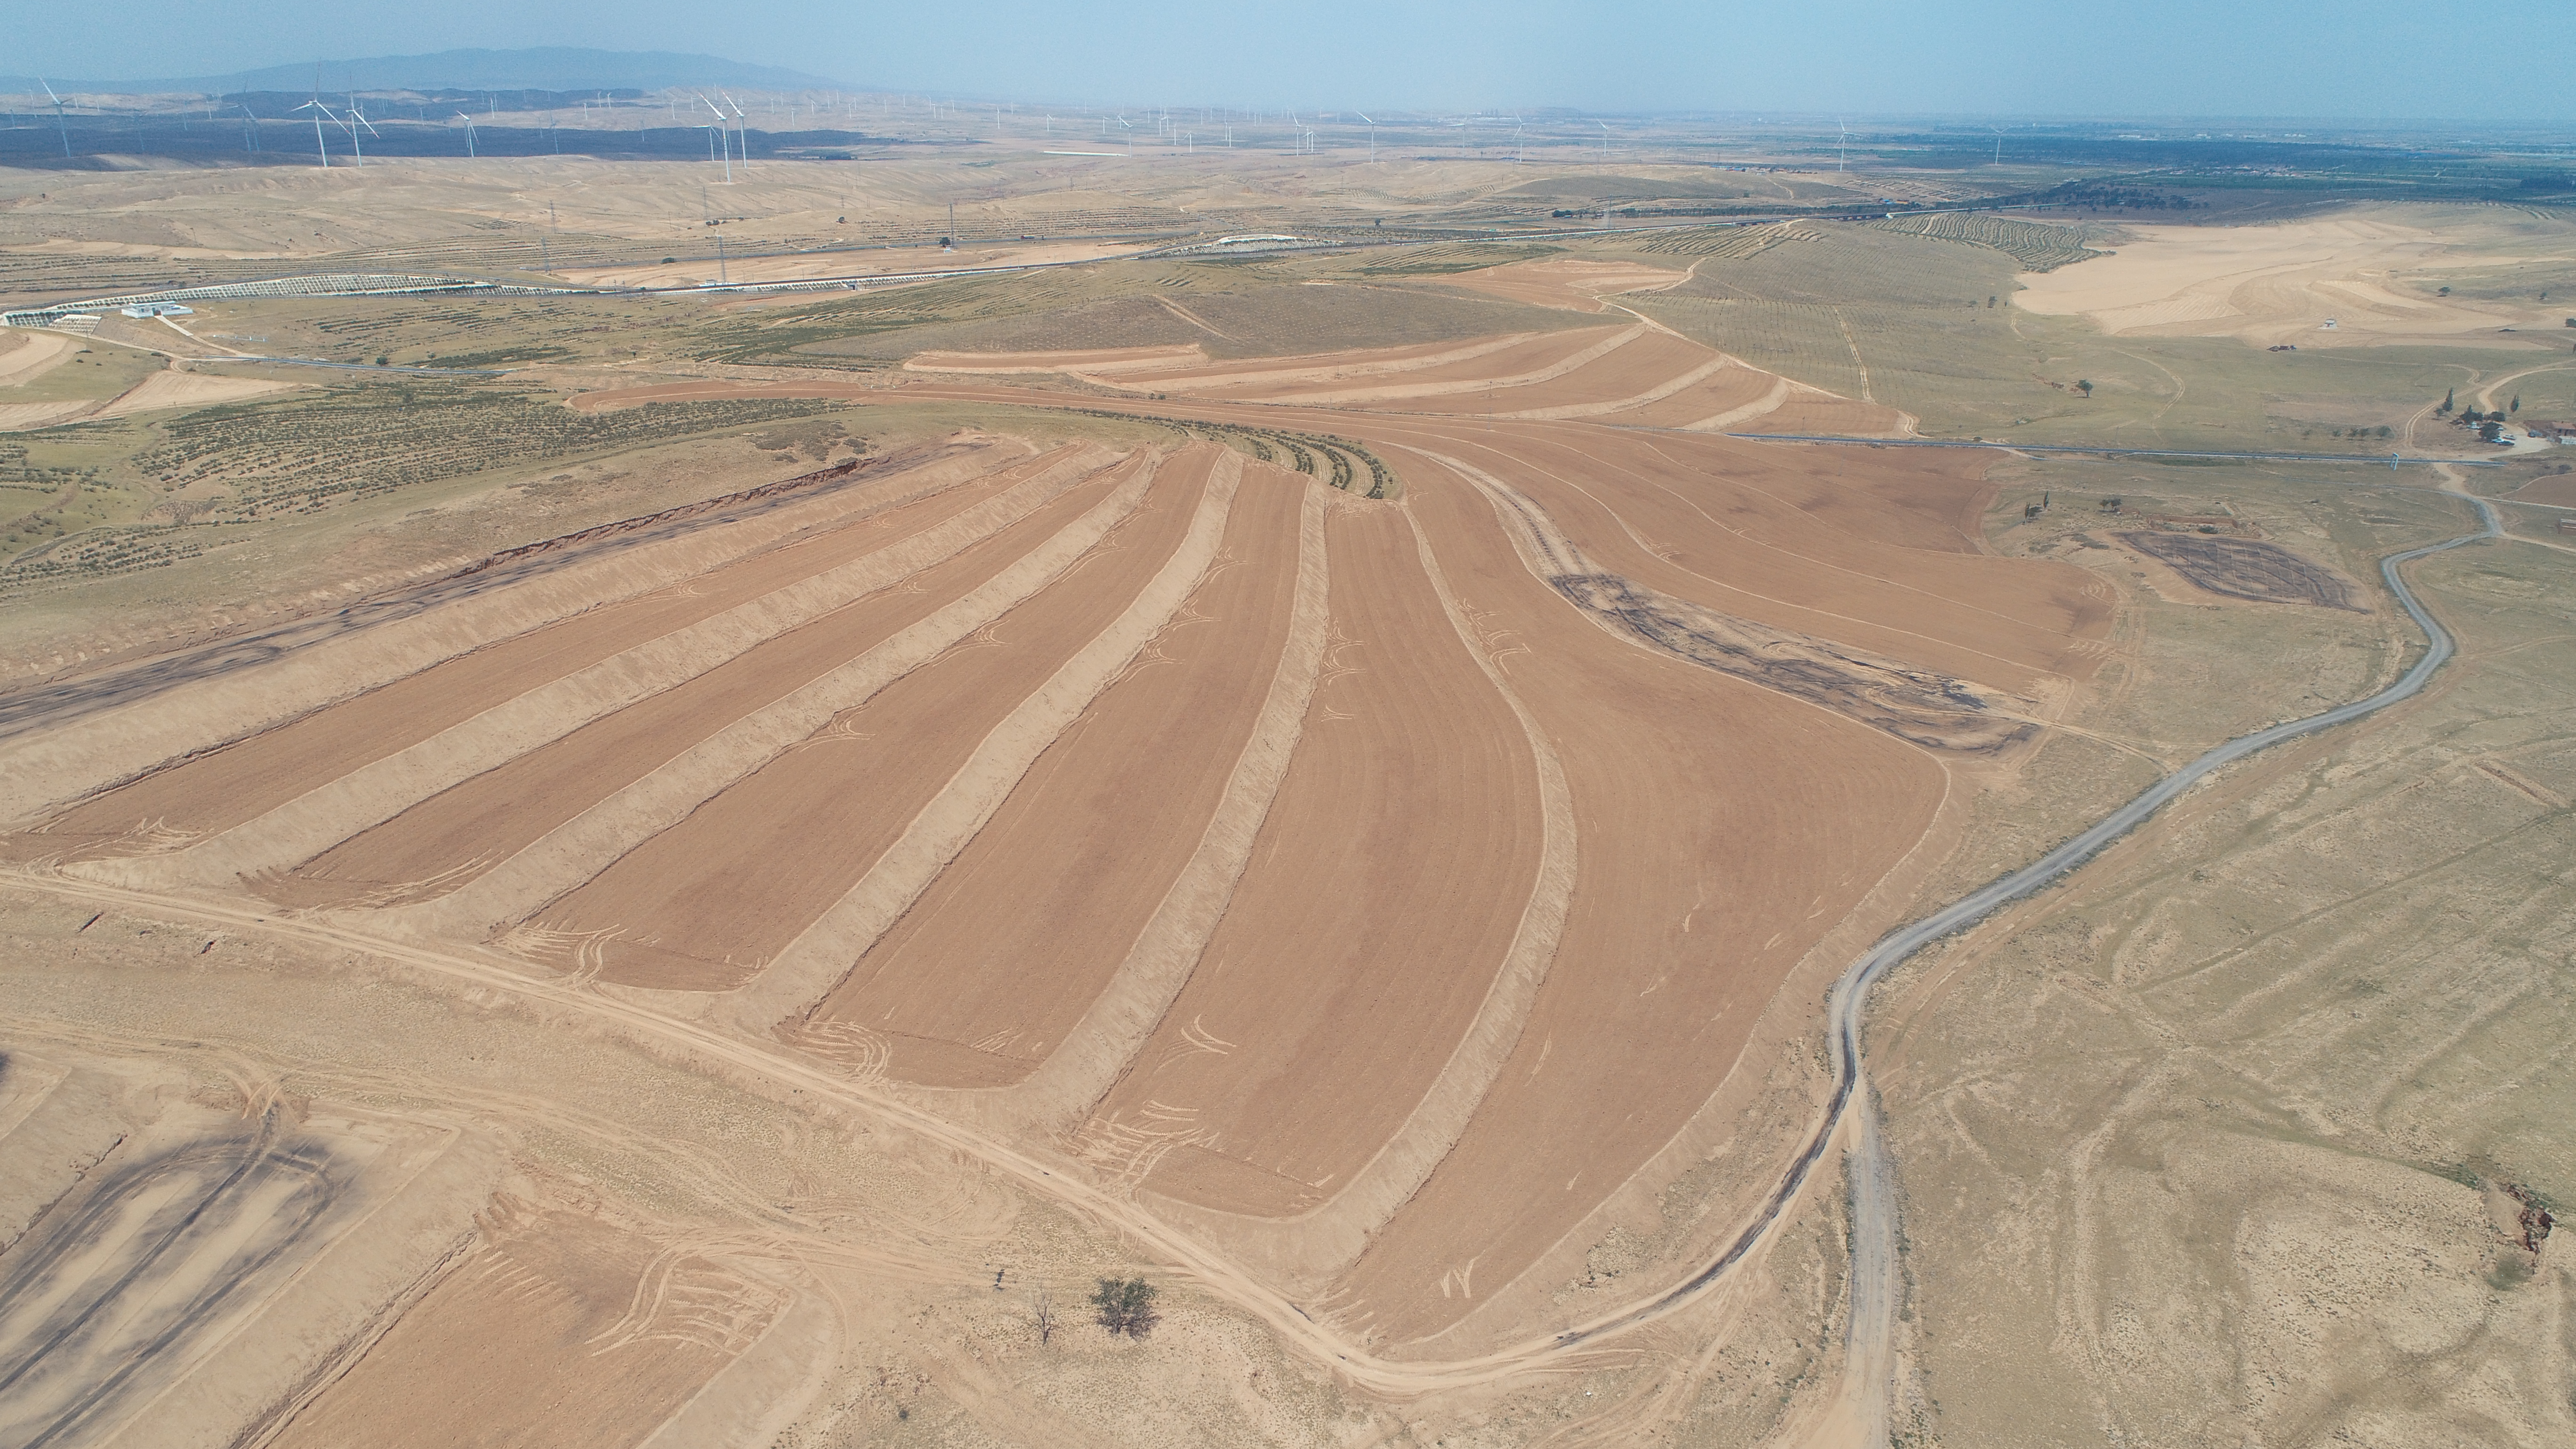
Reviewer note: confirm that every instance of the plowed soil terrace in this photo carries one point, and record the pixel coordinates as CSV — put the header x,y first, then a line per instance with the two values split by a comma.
x,y
1378,890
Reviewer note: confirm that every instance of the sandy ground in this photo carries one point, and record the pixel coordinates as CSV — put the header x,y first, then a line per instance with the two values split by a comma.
x,y
1578,283
698,271
2280,283
1098,360
33,354
42,352
173,389
17,416
557,1317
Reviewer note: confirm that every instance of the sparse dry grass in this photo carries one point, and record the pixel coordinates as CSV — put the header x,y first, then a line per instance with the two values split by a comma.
x,y
2228,1100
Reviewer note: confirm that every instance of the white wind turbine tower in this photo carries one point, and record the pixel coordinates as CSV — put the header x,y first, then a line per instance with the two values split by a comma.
x,y
723,135
1999,143
1842,152
738,124
469,134
1372,125
319,110
353,121
61,126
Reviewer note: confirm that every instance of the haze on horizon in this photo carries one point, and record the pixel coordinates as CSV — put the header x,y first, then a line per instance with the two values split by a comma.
x,y
2360,60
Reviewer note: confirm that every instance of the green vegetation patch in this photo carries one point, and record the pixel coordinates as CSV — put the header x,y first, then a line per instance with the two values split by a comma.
x,y
1725,241
306,454
1049,313
2037,246
1456,257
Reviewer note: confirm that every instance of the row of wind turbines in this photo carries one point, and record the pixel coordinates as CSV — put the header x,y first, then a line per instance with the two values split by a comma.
x,y
721,143
719,140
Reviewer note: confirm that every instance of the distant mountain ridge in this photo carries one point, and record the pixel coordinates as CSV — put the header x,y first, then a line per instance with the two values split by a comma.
x,y
550,68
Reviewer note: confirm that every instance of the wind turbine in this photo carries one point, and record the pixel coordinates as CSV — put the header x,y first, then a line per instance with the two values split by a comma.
x,y
1842,153
1999,143
1372,125
355,119
745,130
469,134
721,134
59,124
319,110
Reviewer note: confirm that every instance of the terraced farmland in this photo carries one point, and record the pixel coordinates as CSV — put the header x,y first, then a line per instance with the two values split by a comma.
x,y
1429,748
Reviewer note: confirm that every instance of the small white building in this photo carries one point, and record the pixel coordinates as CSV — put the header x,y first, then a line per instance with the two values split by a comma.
x,y
159,309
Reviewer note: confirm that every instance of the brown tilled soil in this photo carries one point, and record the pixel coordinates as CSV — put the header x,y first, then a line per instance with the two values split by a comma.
x,y
970,996
704,904
222,789
1382,894
1723,828
1754,531
1325,366
1729,390
454,836
1111,359
1474,374
1631,370
1572,796
556,1323
2554,488
1575,282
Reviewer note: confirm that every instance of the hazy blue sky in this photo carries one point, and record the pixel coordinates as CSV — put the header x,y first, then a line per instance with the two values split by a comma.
x,y
2358,58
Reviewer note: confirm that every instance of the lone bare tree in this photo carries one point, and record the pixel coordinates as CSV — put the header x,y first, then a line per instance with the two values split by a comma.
x,y
1042,1308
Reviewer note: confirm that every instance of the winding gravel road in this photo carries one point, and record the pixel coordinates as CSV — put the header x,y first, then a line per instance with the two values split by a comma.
x,y
1873,1205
